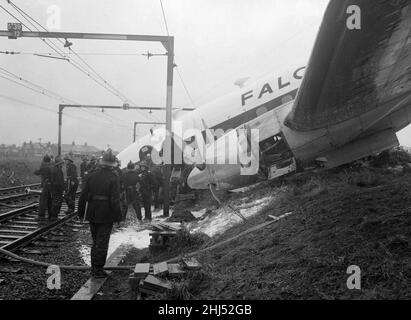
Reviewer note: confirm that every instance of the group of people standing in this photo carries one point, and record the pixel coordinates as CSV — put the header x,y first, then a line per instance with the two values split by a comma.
x,y
138,186
106,193
55,189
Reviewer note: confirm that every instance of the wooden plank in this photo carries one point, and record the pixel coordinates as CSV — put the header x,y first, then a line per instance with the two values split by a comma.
x,y
160,268
174,269
163,233
5,236
174,226
183,197
158,227
156,284
191,264
145,290
93,285
141,269
15,226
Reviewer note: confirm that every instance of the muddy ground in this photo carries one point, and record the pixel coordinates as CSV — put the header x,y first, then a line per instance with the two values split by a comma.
x,y
355,216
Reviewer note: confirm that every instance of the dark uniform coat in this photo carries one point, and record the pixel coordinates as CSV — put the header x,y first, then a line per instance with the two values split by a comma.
x,y
72,185
83,169
130,180
102,192
45,172
72,173
146,185
57,180
57,188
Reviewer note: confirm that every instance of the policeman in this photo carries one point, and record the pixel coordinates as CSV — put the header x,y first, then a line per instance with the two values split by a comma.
x,y
146,186
100,204
45,172
92,165
83,167
57,188
123,197
132,186
157,178
71,184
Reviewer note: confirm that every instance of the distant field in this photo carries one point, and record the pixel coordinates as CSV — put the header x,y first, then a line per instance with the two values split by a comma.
x,y
18,171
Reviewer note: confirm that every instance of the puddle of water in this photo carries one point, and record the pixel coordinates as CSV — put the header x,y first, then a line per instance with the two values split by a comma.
x,y
224,218
198,214
85,254
134,234
137,235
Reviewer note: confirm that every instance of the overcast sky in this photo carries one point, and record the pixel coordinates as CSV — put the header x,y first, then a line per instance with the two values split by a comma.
x,y
216,43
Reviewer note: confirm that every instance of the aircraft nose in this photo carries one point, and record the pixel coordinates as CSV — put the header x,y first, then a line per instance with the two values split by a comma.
x,y
197,179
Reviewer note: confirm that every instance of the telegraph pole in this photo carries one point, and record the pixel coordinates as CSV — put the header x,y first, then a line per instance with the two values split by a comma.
x,y
168,163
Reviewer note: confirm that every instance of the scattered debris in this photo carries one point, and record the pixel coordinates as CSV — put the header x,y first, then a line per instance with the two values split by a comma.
x,y
182,215
160,269
141,270
185,197
175,270
2,281
154,285
162,233
191,264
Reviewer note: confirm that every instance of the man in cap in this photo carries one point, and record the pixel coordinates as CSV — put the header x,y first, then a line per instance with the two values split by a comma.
x,y
92,164
83,167
57,188
100,205
157,179
45,172
123,196
132,185
146,186
72,183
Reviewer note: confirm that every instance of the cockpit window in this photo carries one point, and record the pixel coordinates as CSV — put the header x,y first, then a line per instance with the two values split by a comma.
x,y
201,167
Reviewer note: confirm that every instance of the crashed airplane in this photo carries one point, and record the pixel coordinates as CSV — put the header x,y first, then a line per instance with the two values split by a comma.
x,y
348,103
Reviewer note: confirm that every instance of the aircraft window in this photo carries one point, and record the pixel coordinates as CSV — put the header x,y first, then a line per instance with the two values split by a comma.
x,y
190,140
201,167
275,151
144,151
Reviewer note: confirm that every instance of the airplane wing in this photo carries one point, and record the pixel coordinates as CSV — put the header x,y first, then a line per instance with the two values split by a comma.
x,y
352,72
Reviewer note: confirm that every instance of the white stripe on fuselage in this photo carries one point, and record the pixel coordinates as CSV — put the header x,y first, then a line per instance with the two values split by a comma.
x,y
221,110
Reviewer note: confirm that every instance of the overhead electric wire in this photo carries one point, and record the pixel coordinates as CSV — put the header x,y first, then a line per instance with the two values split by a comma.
x,y
164,17
54,47
178,71
40,107
54,111
43,90
4,73
111,88
61,53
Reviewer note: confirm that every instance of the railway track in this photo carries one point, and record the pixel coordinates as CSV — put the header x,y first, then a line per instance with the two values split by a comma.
x,y
18,198
4,192
20,227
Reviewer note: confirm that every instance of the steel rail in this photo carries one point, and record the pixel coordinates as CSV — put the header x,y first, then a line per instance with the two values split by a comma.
x,y
22,241
18,198
22,188
17,212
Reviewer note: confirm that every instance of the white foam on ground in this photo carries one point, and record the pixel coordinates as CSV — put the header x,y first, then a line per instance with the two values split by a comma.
x,y
224,218
135,235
